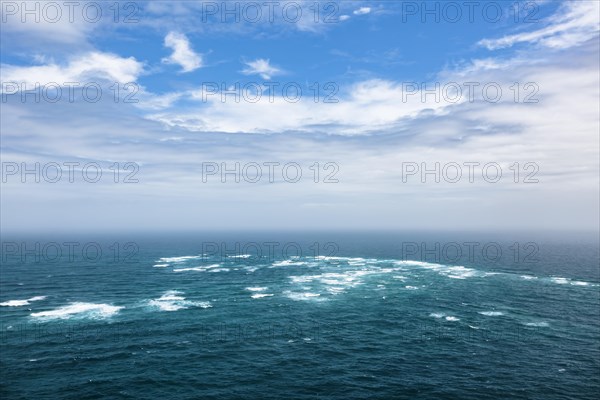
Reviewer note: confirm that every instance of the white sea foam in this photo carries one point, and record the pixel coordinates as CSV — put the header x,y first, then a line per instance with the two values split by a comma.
x,y
559,280
580,283
491,313
564,281
178,259
437,315
411,287
336,289
451,318
200,268
257,289
160,265
537,324
79,310
419,264
453,272
459,272
355,259
528,277
241,256
20,303
303,296
302,279
287,263
173,301
260,295
14,303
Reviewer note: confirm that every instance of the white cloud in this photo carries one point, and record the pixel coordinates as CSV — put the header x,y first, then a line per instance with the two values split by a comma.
x,y
575,23
362,11
261,67
183,54
344,17
560,134
68,29
84,67
366,107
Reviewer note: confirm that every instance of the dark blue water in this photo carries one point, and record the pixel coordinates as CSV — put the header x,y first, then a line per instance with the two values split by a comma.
x,y
315,316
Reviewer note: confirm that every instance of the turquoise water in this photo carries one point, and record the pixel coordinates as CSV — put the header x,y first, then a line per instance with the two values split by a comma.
x,y
350,317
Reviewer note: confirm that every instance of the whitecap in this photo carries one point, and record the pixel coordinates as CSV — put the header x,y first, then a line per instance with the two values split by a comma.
x,y
419,264
437,315
537,324
451,318
459,272
219,270
160,265
20,303
302,279
79,310
200,268
260,295
491,313
303,296
287,263
257,289
580,283
14,303
241,256
178,259
559,280
173,301
327,258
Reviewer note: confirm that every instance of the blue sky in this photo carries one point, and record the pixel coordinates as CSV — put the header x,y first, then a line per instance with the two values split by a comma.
x,y
370,51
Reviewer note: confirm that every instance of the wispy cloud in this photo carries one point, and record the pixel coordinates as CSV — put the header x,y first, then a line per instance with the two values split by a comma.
x,y
183,54
87,66
261,67
575,23
362,11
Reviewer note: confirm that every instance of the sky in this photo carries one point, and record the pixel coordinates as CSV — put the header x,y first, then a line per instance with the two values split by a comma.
x,y
399,115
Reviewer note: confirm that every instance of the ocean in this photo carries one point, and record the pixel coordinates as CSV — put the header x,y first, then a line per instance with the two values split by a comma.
x,y
325,315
